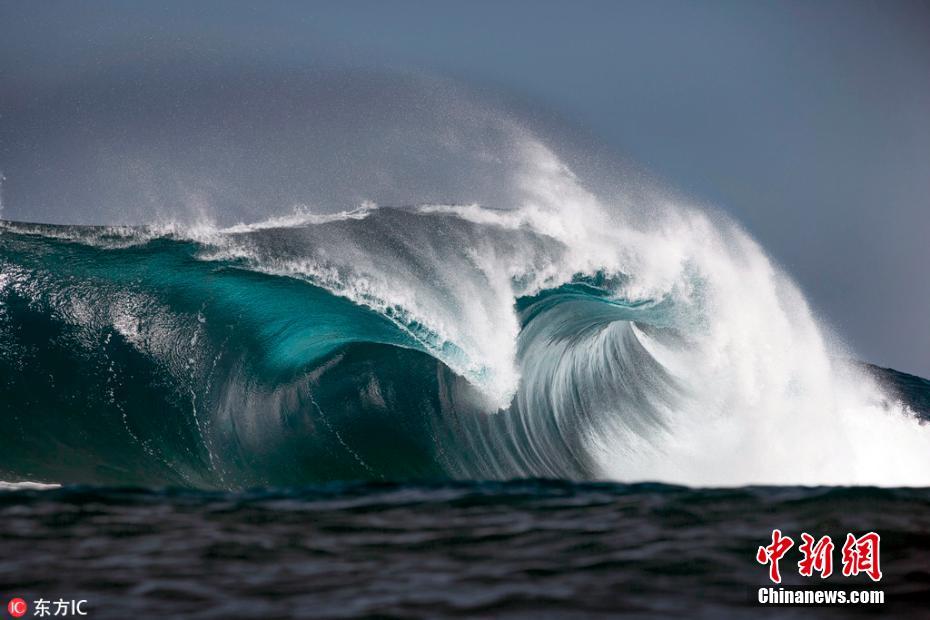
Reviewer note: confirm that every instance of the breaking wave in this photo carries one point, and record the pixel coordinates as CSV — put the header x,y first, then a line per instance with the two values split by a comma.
x,y
559,338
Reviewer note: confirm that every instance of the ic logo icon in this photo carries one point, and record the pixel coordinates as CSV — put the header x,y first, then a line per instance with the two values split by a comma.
x,y
17,607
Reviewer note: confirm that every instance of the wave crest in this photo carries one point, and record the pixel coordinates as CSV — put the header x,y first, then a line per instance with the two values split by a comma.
x,y
560,338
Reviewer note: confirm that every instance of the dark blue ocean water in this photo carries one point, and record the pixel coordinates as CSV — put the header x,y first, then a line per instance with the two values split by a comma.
x,y
522,549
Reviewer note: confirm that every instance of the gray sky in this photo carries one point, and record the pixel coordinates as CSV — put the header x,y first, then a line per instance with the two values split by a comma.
x,y
808,121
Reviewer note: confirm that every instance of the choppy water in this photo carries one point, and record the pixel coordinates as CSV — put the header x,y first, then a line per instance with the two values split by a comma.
x,y
518,549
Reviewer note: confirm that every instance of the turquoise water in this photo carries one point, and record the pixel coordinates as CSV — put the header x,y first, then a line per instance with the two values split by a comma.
x,y
128,357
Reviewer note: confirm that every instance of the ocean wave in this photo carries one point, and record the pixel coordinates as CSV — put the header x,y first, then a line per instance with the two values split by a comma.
x,y
427,342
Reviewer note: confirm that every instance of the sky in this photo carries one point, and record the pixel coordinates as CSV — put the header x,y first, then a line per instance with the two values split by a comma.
x,y
807,121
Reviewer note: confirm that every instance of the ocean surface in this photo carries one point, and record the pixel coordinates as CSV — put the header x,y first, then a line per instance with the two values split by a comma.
x,y
418,412
521,549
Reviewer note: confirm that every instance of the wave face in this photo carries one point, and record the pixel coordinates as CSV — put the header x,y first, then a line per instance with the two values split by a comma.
x,y
438,341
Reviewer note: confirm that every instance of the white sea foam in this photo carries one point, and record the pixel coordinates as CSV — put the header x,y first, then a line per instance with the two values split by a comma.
x,y
27,486
766,399
758,392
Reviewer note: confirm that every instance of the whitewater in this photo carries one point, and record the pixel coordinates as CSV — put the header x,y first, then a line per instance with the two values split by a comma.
x,y
569,335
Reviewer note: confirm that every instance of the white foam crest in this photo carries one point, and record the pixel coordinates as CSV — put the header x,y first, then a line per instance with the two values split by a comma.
x,y
96,236
203,229
470,330
767,400
302,216
27,486
770,400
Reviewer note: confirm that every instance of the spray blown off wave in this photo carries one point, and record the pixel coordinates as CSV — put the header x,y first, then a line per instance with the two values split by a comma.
x,y
560,338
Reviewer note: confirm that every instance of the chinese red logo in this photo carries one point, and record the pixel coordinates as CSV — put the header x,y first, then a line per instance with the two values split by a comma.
x,y
860,555
817,556
773,553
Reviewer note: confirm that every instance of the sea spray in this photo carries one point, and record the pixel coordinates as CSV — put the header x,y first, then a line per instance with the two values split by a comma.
x,y
565,337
